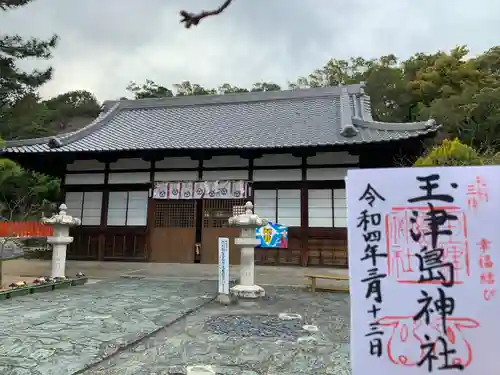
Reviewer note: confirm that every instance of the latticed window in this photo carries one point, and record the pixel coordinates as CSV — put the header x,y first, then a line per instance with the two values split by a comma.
x,y
327,208
216,212
128,208
279,206
175,214
86,206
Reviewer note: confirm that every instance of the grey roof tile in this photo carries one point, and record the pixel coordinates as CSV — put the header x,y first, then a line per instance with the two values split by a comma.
x,y
312,117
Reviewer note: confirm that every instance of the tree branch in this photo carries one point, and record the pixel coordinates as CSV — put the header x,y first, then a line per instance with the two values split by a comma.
x,y
9,4
192,19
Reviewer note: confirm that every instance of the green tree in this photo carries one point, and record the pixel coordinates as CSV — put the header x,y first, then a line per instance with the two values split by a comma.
x,y
265,86
31,117
186,88
25,194
149,89
66,107
27,118
15,83
462,94
384,78
227,88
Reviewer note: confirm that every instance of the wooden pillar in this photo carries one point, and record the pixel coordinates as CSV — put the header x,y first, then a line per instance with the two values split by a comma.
x,y
151,211
104,214
304,215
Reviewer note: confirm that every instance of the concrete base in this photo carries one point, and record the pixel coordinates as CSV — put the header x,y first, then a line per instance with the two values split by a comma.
x,y
248,291
224,299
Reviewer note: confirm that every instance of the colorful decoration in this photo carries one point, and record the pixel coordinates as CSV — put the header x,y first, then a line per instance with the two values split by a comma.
x,y
201,190
273,236
43,280
18,284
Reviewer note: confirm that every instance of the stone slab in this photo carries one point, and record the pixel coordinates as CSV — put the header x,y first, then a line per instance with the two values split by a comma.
x,y
289,331
62,332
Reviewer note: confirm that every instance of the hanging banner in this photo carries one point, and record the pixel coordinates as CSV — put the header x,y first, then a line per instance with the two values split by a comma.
x,y
273,236
222,189
423,254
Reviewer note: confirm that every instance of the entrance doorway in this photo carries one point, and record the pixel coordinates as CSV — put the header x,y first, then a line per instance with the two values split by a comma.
x,y
173,234
216,214
180,227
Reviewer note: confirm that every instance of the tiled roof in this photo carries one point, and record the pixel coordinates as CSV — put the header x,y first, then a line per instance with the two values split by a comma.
x,y
262,120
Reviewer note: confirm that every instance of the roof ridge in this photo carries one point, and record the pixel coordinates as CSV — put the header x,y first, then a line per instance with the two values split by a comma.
x,y
99,121
236,98
396,126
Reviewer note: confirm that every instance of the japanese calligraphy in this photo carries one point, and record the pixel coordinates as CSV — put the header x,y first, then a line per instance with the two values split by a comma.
x,y
407,224
371,225
487,277
431,262
477,192
422,268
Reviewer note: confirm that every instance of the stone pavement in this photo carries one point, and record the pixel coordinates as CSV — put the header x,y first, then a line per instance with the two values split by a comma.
x,y
264,275
247,340
61,332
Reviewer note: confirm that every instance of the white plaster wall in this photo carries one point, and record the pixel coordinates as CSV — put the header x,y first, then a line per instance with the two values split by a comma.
x,y
225,175
176,176
326,174
134,163
225,161
85,165
84,178
332,158
277,159
277,175
182,162
128,178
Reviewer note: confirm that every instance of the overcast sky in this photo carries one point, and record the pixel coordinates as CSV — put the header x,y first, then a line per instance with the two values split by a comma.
x,y
105,44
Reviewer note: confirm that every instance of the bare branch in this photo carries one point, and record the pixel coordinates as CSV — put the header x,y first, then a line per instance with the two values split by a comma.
x,y
192,19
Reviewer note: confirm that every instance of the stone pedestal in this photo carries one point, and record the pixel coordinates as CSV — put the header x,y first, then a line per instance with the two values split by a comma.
x,y
61,239
248,222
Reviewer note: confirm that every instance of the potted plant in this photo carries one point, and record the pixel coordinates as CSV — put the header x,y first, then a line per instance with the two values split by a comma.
x,y
42,284
61,282
80,279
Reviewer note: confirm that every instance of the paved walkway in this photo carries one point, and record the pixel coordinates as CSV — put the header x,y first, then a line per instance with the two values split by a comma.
x,y
165,320
265,275
62,332
248,340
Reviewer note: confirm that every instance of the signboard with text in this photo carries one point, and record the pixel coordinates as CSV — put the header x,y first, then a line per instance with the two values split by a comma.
x,y
223,265
422,265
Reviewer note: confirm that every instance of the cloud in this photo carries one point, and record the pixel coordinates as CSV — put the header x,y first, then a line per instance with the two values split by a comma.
x,y
106,44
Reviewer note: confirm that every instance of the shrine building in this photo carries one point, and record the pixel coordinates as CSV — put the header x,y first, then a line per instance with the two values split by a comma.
x,y
156,180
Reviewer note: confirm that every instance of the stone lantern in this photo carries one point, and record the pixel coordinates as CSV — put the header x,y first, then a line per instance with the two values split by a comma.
x,y
248,222
61,238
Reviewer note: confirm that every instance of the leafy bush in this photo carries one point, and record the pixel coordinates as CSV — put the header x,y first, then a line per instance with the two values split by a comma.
x,y
455,153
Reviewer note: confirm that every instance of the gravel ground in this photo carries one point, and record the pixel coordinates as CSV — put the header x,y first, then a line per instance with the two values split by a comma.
x,y
288,332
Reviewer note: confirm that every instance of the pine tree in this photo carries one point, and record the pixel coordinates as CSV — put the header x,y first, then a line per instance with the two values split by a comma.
x,y
15,83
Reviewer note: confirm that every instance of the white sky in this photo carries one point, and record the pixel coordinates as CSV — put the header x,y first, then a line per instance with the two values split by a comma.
x,y
105,44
